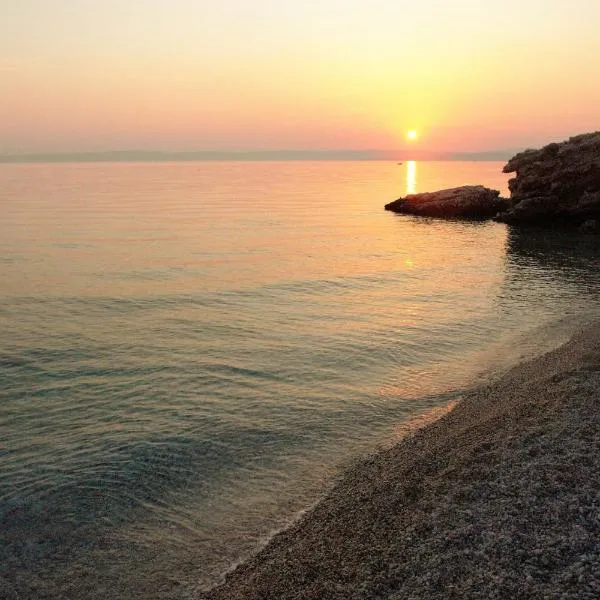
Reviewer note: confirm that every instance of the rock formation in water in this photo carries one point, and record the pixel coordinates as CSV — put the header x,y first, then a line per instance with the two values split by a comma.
x,y
466,202
558,184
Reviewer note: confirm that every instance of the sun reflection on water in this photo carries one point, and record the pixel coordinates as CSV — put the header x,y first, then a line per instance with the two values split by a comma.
x,y
411,177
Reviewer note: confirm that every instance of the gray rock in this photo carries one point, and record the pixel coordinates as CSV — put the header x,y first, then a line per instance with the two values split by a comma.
x,y
590,226
466,202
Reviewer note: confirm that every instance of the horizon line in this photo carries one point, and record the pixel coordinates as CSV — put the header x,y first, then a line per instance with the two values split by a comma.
x,y
253,155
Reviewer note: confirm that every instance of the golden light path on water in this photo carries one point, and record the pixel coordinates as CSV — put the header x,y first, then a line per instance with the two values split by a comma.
x,y
411,177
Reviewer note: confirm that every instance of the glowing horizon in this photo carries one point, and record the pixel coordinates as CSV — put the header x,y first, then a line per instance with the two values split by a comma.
x,y
245,75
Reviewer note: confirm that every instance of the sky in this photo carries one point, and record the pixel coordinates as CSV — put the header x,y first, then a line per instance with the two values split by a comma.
x,y
184,75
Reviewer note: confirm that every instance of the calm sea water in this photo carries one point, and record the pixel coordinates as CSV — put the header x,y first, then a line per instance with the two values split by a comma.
x,y
191,352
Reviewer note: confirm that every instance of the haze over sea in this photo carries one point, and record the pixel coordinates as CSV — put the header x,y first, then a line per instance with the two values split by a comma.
x,y
191,352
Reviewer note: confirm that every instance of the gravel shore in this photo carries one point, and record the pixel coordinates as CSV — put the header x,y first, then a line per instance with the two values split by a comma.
x,y
500,498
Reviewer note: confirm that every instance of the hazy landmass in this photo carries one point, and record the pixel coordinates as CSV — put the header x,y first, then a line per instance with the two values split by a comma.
x,y
253,155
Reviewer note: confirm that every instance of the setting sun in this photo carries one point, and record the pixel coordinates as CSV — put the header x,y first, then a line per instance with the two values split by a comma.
x,y
411,135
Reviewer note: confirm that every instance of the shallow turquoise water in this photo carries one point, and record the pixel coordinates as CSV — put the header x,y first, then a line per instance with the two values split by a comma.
x,y
192,351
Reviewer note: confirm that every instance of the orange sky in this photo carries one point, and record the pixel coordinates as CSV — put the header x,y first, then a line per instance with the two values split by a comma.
x,y
468,75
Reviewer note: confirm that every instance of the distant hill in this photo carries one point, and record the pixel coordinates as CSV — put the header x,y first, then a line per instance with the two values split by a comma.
x,y
253,155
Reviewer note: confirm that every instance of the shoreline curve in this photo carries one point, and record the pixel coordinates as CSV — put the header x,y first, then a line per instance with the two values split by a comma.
x,y
499,498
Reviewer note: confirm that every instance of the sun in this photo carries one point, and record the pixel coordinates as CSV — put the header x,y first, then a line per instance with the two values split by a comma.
x,y
411,135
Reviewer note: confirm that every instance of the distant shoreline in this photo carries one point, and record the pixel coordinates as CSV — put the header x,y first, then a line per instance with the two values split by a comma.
x,y
250,156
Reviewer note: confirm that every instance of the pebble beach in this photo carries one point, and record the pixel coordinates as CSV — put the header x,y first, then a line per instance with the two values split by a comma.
x,y
499,498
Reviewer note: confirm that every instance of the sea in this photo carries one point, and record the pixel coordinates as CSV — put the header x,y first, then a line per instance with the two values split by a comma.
x,y
192,353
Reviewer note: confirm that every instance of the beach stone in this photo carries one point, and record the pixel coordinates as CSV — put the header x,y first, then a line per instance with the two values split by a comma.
x,y
590,226
557,184
466,202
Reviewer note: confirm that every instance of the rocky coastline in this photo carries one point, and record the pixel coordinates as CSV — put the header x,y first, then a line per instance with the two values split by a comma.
x,y
557,185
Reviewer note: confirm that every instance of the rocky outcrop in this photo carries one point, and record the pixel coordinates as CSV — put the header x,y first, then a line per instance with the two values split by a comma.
x,y
467,202
558,184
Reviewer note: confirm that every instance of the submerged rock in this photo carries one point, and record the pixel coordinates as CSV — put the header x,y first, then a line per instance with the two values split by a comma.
x,y
467,202
560,183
